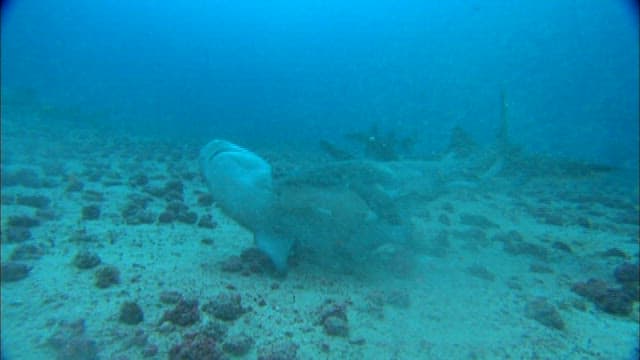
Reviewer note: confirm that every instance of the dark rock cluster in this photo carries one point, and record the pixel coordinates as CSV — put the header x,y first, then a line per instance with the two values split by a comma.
x,y
131,313
22,221
86,260
211,341
91,212
170,297
74,185
617,300
22,177
92,196
238,345
559,245
139,180
481,272
135,211
16,234
185,313
71,343
281,350
514,244
34,201
332,316
14,271
107,276
24,252
177,211
251,261
225,306
627,274
477,220
205,200
544,313
173,190
207,221
200,345
377,300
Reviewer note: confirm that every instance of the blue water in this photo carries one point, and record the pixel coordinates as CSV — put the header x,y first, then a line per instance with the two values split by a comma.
x,y
450,179
289,71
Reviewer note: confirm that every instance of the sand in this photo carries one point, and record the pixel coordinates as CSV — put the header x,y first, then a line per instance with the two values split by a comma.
x,y
462,299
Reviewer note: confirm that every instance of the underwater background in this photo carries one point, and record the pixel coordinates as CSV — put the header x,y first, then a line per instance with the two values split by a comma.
x,y
395,180
287,71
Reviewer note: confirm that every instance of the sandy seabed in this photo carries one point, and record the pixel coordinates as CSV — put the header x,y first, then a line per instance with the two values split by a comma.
x,y
498,276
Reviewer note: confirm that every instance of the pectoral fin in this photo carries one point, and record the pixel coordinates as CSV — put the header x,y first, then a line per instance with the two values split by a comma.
x,y
276,247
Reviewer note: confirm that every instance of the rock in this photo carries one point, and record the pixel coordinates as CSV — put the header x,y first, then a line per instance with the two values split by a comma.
x,y
27,252
185,313
177,207
138,339
205,199
508,237
46,214
65,331
135,213
150,350
170,297
92,195
215,329
107,276
131,313
22,221
166,217
86,260
480,272
238,345
174,185
139,180
627,273
335,326
74,185
196,346
540,269
91,212
284,350
544,313
23,177
333,318
614,252
14,271
35,201
70,342
81,237
615,301
525,248
16,234
477,220
256,262
206,221
188,217
225,306
559,245
173,190
79,348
